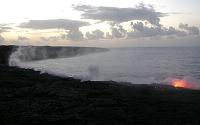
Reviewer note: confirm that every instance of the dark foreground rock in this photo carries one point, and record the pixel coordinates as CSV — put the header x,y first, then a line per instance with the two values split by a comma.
x,y
5,52
30,98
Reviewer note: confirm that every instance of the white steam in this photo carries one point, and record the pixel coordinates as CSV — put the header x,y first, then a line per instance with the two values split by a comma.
x,y
91,73
135,65
31,53
15,57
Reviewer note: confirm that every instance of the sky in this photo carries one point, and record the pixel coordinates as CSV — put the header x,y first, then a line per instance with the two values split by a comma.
x,y
121,23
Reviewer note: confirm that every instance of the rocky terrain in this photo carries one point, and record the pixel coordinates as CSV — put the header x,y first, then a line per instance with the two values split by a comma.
x,y
28,97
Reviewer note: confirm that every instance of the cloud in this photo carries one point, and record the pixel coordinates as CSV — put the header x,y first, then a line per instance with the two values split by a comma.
x,y
54,24
97,34
22,38
119,15
141,30
75,35
191,30
2,40
51,38
118,32
108,35
72,27
4,28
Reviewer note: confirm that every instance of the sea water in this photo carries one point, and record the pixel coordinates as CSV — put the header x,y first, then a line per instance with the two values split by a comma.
x,y
142,65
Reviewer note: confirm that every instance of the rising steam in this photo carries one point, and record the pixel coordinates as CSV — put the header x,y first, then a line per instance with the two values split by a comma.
x,y
138,66
32,53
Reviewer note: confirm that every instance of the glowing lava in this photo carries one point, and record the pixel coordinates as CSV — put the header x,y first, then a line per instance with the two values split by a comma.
x,y
180,83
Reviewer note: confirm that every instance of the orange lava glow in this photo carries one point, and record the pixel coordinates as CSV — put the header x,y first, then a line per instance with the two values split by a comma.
x,y
180,84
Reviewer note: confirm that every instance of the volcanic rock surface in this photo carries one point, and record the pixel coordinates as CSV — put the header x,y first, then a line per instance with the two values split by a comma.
x,y
28,97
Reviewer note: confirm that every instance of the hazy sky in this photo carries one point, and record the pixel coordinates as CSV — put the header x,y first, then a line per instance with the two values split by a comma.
x,y
100,23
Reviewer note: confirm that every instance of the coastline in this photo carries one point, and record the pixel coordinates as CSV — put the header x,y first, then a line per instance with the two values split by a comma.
x,y
29,97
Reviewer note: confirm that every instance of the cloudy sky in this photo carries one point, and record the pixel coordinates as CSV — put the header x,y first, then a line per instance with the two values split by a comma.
x,y
109,23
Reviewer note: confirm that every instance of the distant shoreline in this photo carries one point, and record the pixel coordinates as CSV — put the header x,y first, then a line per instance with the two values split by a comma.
x,y
31,53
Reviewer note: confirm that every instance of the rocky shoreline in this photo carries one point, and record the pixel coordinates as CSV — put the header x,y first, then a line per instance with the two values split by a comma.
x,y
28,97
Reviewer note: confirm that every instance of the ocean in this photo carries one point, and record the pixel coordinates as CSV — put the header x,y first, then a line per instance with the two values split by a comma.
x,y
138,65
